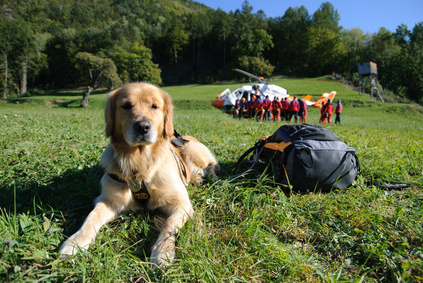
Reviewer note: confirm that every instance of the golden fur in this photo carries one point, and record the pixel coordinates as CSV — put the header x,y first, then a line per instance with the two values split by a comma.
x,y
139,122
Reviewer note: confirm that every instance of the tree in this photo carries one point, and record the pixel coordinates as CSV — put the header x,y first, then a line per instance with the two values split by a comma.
x,y
291,38
16,48
6,46
199,27
402,35
412,61
221,27
96,72
354,42
385,51
27,46
177,37
256,65
325,49
416,63
327,17
136,64
251,40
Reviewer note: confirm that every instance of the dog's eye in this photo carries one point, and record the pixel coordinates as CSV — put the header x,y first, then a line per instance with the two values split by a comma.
x,y
127,106
154,106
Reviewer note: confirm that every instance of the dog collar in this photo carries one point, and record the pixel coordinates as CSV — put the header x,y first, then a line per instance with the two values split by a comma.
x,y
139,189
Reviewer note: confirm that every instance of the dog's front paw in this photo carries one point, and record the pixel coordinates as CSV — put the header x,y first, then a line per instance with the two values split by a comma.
x,y
71,247
197,180
161,261
211,172
163,253
67,249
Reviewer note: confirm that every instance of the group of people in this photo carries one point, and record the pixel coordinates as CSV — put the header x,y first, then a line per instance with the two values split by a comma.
x,y
282,109
327,110
267,110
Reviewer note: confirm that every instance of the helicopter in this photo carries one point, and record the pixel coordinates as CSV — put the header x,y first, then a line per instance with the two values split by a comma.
x,y
227,99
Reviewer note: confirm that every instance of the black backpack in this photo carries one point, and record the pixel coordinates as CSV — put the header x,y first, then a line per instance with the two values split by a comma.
x,y
307,157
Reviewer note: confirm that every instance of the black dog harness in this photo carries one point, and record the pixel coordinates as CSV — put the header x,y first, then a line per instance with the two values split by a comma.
x,y
139,190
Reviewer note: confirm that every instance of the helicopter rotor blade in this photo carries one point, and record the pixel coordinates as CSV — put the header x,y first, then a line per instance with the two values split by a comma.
x,y
249,75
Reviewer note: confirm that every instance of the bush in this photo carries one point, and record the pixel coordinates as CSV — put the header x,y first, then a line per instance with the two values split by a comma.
x,y
256,65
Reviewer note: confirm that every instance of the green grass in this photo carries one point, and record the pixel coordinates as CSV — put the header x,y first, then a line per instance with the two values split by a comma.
x,y
244,230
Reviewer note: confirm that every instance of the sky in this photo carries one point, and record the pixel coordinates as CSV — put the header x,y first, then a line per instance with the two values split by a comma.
x,y
368,15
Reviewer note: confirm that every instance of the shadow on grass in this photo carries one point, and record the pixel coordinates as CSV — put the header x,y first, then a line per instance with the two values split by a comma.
x,y
70,194
66,98
70,197
77,92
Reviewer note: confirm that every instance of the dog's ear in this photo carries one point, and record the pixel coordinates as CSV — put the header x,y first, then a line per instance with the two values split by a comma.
x,y
168,115
109,113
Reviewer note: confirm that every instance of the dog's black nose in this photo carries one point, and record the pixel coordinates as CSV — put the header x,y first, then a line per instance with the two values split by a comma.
x,y
142,127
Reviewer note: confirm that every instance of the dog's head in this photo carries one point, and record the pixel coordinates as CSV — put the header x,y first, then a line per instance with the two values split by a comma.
x,y
139,114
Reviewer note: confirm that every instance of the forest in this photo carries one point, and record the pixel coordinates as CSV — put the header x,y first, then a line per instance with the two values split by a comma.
x,y
48,44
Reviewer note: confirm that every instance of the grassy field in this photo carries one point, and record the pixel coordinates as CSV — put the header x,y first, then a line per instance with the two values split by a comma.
x,y
244,230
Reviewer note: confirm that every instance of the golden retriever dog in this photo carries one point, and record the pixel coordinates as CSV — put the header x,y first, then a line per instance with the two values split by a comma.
x,y
143,169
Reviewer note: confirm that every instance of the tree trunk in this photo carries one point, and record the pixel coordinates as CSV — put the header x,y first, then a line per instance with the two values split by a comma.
x,y
84,102
224,51
24,76
176,55
5,77
199,52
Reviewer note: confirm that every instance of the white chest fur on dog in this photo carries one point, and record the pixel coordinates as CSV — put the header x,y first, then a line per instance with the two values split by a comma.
x,y
139,122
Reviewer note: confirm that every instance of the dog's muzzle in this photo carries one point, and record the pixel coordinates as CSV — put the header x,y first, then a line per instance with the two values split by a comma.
x,y
142,128
142,132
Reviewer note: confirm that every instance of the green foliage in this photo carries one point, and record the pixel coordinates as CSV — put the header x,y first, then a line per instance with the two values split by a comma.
x,y
97,71
285,33
136,64
256,65
243,229
178,41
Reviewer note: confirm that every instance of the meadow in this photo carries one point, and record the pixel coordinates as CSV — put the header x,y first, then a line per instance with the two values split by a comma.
x,y
244,230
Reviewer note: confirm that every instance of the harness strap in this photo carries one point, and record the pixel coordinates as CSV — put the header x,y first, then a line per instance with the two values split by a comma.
x,y
181,166
139,191
178,140
175,143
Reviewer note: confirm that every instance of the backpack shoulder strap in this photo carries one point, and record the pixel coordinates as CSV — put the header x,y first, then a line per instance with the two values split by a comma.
x,y
259,144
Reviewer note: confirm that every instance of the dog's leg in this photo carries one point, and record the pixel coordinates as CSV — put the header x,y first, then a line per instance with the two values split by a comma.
x,y
163,251
112,202
201,162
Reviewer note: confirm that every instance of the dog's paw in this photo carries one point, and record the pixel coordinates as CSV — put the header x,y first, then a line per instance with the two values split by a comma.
x,y
211,172
163,252
72,245
197,181
215,179
68,249
161,262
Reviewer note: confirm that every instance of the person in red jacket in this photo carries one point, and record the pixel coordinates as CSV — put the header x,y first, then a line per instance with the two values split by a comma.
x,y
250,106
303,111
258,108
285,109
338,112
328,112
267,108
276,109
323,113
293,109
